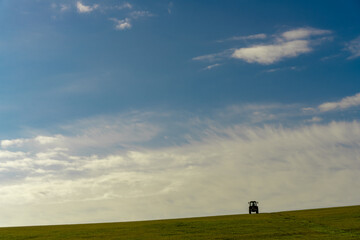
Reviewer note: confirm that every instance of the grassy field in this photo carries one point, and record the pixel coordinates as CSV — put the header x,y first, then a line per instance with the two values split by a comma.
x,y
329,223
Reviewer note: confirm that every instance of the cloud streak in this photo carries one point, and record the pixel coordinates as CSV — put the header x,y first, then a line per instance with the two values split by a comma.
x,y
345,103
61,7
268,54
139,14
215,56
354,48
288,44
82,8
303,33
122,24
249,37
101,170
212,66
124,6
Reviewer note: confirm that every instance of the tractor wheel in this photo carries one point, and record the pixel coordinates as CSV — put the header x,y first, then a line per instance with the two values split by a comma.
x,y
257,211
249,211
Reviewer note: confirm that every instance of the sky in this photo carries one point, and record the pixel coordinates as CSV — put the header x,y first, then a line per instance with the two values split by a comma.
x,y
135,110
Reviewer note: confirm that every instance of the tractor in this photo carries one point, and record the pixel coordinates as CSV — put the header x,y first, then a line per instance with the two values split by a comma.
x,y
253,207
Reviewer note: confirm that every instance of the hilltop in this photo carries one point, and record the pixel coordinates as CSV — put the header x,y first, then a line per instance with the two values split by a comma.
x,y
327,223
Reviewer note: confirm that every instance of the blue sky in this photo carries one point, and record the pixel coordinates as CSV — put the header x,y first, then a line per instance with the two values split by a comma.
x,y
148,97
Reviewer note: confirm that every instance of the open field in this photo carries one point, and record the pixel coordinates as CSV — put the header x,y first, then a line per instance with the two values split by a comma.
x,y
329,223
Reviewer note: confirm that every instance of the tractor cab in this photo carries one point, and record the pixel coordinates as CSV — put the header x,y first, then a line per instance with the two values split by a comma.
x,y
253,207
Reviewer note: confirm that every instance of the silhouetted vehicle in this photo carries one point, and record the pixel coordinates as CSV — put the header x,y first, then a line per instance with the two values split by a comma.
x,y
253,207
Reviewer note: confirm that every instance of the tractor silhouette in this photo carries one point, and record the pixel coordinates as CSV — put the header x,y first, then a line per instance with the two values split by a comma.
x,y
253,207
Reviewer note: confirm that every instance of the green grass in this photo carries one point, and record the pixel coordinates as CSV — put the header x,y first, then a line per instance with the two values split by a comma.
x,y
328,223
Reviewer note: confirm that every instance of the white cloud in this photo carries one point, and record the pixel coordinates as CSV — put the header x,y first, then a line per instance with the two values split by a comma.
x,y
259,113
112,164
268,54
308,110
314,120
215,56
255,36
93,134
124,6
293,68
122,24
212,66
81,8
109,133
249,37
289,44
64,7
273,70
216,174
138,14
11,155
344,103
302,33
14,142
46,139
354,48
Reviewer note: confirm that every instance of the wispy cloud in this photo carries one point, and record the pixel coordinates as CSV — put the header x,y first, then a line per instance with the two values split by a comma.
x,y
14,142
259,113
122,24
64,7
281,69
303,33
314,120
212,66
268,54
290,44
138,14
215,56
175,161
249,37
125,5
354,48
82,8
61,7
326,58
344,103
237,161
